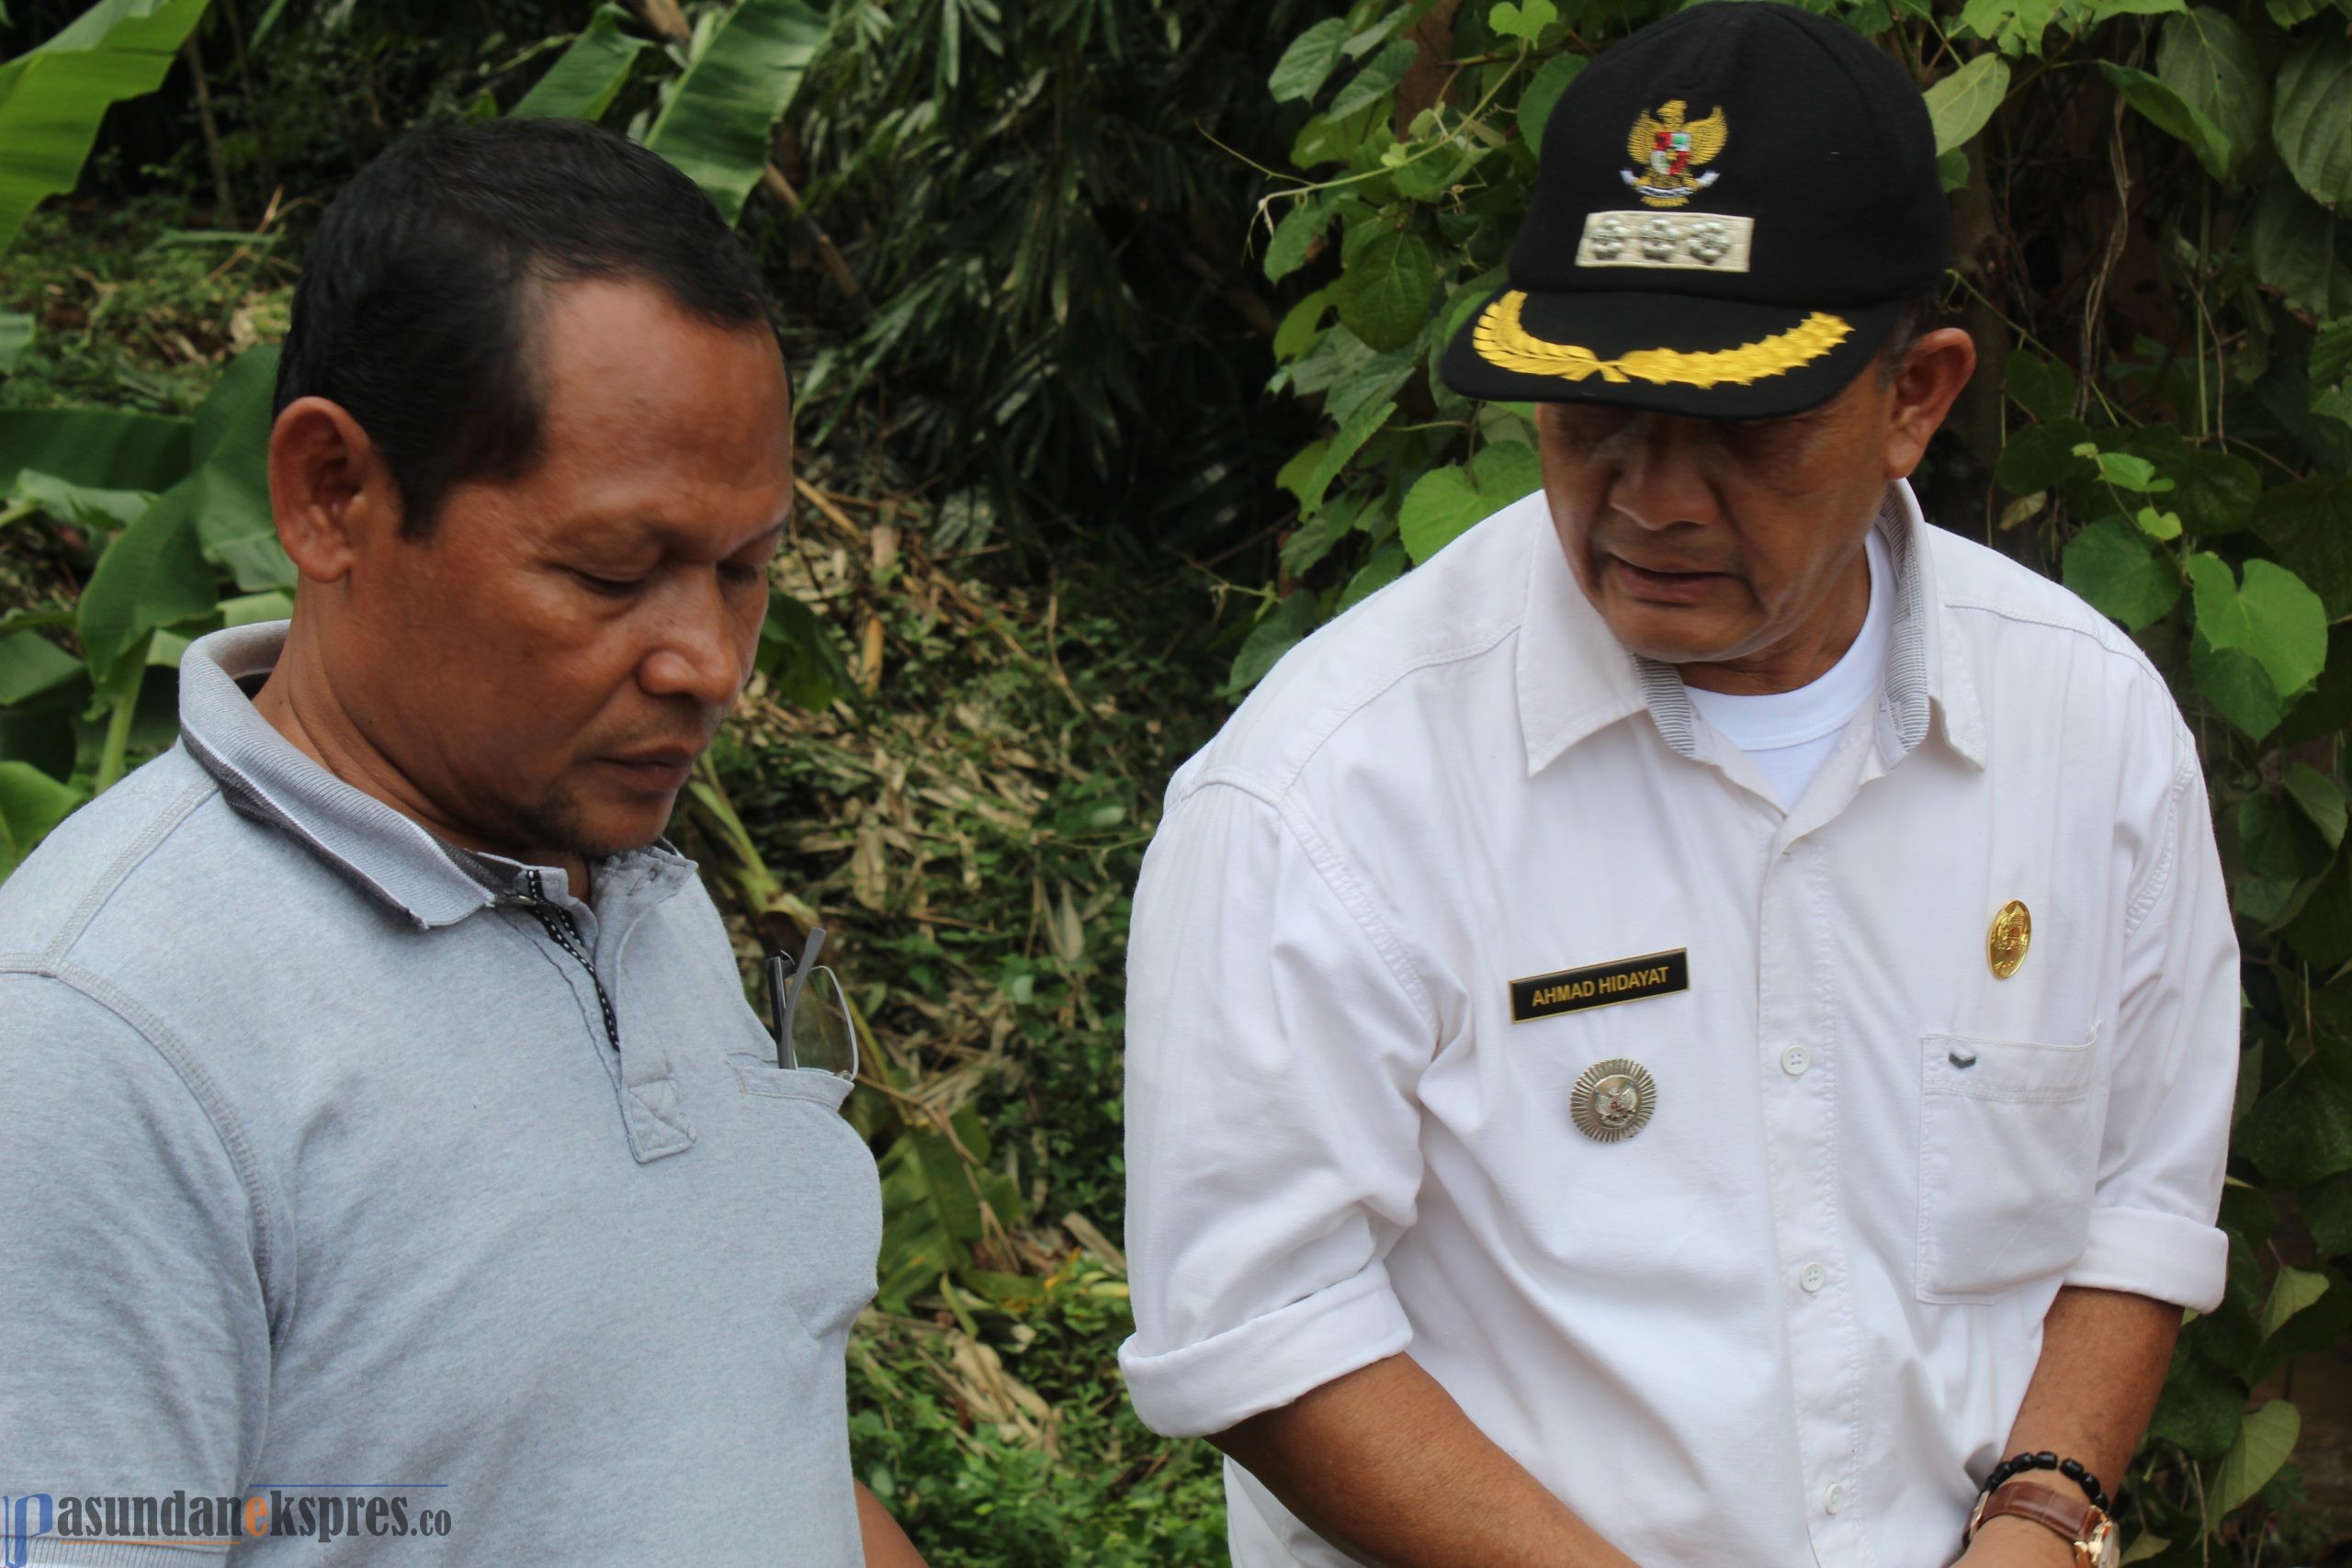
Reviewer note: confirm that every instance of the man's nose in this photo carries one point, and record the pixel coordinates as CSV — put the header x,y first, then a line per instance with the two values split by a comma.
x,y
700,651
1661,476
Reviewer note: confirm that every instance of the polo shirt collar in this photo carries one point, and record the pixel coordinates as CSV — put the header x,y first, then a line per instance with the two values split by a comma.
x,y
1575,677
393,859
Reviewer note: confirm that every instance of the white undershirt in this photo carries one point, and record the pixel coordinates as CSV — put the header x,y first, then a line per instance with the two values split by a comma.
x,y
1789,735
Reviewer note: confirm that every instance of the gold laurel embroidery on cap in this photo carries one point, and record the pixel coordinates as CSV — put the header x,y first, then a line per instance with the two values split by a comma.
x,y
1668,148
1503,342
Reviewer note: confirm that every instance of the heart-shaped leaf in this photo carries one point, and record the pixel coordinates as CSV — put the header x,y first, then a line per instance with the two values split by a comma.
x,y
1959,105
1526,20
2271,615
1444,504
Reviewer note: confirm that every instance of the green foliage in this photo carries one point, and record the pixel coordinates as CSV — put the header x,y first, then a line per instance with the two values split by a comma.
x,y
741,78
1038,208
52,97
2162,419
589,75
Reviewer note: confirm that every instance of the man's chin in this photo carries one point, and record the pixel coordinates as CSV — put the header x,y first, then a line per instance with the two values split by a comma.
x,y
1674,636
598,829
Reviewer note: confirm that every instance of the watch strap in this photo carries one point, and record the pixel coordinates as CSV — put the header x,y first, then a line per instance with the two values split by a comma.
x,y
2072,1517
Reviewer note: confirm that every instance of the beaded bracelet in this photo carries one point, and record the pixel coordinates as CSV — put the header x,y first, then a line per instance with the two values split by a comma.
x,y
2072,1469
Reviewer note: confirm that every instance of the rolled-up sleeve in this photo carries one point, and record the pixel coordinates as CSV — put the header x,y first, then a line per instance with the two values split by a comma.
x,y
1276,1036
2176,1045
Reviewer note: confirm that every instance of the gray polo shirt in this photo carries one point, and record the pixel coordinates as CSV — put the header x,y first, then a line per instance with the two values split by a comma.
x,y
322,1175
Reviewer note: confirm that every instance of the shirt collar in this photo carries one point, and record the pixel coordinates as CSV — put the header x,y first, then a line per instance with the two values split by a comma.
x,y
1574,679
392,858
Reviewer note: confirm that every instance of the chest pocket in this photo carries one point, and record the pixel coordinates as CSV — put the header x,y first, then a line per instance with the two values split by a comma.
x,y
2009,1157
820,1194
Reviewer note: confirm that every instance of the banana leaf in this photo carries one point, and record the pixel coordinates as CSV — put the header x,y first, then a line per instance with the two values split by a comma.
x,y
52,98
582,81
716,125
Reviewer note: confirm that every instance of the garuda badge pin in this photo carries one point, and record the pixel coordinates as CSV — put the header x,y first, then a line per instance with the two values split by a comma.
x,y
1613,1099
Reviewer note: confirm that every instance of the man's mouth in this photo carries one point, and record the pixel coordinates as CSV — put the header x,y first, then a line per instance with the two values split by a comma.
x,y
1660,584
662,770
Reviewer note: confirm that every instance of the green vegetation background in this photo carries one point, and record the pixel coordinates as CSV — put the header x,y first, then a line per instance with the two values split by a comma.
x,y
1111,322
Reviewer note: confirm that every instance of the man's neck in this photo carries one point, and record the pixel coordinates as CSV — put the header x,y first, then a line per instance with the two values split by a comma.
x,y
1804,655
300,702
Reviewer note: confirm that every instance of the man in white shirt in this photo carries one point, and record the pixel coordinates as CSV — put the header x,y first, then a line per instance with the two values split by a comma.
x,y
1698,1027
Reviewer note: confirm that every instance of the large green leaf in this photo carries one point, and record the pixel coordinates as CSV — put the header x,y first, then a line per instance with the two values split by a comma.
x,y
2201,1405
1959,105
2162,104
31,803
1309,60
2300,249
103,447
1384,294
2301,1131
1294,238
52,99
2263,1442
1362,426
1377,79
2044,390
801,658
32,665
1542,94
1446,504
2291,1292
2308,526
2272,616
232,477
2207,60
84,506
2233,680
716,124
154,575
582,81
2121,572
2311,120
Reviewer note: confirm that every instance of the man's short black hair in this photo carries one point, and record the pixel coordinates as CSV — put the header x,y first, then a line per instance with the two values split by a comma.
x,y
415,301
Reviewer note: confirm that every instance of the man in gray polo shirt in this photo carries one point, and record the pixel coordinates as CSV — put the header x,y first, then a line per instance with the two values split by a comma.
x,y
393,1170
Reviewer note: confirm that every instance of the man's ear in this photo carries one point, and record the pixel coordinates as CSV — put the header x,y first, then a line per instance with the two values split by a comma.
x,y
329,490
1931,374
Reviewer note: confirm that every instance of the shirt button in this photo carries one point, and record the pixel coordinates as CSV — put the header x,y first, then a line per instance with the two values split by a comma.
x,y
1814,1277
1795,1060
1835,1498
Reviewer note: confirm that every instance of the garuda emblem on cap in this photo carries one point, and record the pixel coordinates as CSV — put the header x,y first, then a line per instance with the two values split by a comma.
x,y
1666,150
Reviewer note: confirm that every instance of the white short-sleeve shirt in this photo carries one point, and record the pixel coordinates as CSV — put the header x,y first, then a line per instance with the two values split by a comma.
x,y
1791,1317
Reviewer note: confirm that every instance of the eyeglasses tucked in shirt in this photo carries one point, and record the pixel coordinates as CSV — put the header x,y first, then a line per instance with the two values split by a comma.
x,y
811,1014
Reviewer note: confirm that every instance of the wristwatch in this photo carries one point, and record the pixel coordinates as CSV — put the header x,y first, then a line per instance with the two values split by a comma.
x,y
2092,1532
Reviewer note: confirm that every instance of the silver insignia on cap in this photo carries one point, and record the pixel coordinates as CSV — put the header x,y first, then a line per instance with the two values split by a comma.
x,y
1696,241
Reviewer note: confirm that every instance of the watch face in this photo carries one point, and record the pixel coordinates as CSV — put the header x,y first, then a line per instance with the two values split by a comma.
x,y
2105,1550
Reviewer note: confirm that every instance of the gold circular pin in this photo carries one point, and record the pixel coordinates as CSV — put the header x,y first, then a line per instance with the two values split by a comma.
x,y
2011,934
1613,1099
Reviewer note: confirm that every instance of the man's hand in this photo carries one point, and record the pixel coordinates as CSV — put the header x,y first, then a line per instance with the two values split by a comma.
x,y
887,1545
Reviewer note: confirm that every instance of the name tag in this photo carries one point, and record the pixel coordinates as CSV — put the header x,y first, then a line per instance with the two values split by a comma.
x,y
1626,980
